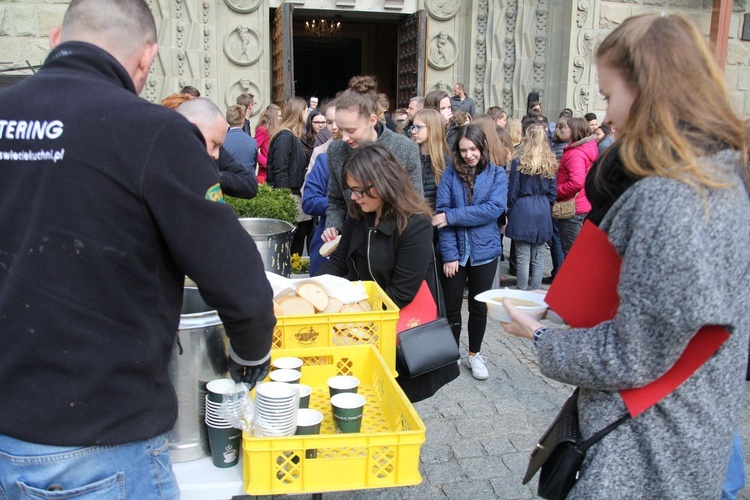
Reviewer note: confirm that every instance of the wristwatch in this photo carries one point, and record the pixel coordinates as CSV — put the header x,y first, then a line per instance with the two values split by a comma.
x,y
539,332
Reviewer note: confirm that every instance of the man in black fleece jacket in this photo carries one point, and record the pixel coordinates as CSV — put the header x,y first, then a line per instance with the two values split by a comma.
x,y
106,203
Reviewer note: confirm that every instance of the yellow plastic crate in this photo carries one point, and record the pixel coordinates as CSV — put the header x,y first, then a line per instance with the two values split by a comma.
x,y
376,327
384,454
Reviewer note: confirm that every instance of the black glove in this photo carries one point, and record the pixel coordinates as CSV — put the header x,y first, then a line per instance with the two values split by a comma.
x,y
248,374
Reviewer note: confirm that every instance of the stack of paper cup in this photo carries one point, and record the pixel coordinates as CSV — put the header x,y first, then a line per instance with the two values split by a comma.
x,y
223,438
276,405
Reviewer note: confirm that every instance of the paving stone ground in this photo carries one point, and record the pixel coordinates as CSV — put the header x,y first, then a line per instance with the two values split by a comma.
x,y
480,433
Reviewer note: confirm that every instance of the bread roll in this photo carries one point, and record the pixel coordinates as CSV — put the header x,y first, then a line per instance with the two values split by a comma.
x,y
314,294
365,305
352,308
334,306
296,306
277,310
330,246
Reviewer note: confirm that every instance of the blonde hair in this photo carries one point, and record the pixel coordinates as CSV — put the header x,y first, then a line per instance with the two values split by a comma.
x,y
676,116
498,151
535,156
269,119
293,117
513,126
437,148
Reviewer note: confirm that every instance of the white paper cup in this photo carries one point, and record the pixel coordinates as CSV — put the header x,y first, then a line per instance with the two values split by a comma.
x,y
287,363
342,383
285,375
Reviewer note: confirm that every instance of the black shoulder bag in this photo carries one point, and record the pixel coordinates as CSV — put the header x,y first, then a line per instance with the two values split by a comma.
x,y
429,346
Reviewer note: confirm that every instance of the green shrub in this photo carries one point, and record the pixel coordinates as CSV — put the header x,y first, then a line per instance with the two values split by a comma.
x,y
269,203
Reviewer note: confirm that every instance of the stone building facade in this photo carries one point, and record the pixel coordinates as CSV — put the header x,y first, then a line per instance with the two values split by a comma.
x,y
500,49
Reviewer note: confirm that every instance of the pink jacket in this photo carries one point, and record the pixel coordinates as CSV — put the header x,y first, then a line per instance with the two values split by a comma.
x,y
575,163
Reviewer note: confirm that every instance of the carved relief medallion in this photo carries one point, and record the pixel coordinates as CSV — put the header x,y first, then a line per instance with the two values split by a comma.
x,y
242,86
442,9
443,51
242,6
242,46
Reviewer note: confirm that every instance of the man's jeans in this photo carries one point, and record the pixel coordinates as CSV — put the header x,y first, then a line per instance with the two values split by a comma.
x,y
569,229
139,470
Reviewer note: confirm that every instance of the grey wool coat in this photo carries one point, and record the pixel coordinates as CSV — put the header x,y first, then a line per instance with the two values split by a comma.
x,y
406,152
685,265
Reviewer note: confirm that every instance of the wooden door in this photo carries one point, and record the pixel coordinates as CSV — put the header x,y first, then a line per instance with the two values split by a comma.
x,y
282,55
412,34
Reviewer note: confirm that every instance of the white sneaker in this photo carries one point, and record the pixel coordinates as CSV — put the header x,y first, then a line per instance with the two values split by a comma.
x,y
477,366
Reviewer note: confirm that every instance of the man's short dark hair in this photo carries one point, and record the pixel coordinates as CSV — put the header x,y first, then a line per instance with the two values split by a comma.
x,y
247,99
590,116
190,90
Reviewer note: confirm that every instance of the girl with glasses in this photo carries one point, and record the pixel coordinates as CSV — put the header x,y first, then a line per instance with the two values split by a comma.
x,y
387,238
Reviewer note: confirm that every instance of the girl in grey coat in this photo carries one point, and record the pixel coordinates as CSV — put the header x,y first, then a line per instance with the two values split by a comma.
x,y
672,198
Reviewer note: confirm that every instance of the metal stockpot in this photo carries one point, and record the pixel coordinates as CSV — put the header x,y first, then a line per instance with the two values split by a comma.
x,y
199,355
274,240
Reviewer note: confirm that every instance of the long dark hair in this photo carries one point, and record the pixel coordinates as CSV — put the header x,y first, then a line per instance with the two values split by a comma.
x,y
475,134
374,165
310,133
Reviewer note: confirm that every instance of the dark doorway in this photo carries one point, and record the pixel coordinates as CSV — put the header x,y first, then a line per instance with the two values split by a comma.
x,y
322,68
362,47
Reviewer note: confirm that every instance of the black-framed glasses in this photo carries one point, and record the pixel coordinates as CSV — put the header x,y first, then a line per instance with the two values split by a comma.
x,y
361,193
417,128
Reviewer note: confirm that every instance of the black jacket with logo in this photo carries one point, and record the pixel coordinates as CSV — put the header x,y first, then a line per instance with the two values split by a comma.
x,y
105,205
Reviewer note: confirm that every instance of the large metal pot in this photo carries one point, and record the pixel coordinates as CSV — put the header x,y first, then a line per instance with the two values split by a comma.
x,y
274,239
199,355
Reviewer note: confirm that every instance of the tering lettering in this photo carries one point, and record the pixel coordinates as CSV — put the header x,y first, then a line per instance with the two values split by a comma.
x,y
28,130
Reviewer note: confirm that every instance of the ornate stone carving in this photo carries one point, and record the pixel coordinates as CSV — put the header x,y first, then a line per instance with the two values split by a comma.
x,y
540,45
578,64
481,61
242,86
509,62
242,46
584,7
442,85
582,98
443,51
242,6
442,10
586,42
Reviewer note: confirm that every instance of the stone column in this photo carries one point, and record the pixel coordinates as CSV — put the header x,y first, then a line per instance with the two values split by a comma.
x,y
447,44
244,53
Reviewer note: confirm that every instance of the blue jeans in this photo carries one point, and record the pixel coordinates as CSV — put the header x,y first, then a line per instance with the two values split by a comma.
x,y
735,479
529,256
569,229
555,248
139,470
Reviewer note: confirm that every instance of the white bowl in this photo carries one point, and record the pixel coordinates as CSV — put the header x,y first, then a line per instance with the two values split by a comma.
x,y
494,301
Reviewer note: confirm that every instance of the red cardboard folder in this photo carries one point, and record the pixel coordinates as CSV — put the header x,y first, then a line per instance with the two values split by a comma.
x,y
584,294
421,310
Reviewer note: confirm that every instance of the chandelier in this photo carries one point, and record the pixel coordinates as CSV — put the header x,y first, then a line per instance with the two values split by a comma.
x,y
322,29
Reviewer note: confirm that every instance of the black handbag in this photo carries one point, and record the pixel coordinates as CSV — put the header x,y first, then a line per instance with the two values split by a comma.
x,y
429,346
561,450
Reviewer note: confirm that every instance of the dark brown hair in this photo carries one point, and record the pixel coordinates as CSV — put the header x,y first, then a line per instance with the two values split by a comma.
x,y
374,165
475,134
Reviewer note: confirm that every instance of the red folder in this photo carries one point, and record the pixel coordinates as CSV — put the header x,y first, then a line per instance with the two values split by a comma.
x,y
421,310
584,294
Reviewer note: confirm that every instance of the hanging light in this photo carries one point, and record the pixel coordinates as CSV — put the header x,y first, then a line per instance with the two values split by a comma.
x,y
322,28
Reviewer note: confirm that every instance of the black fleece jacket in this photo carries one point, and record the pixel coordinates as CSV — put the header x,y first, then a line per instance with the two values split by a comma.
x,y
106,203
